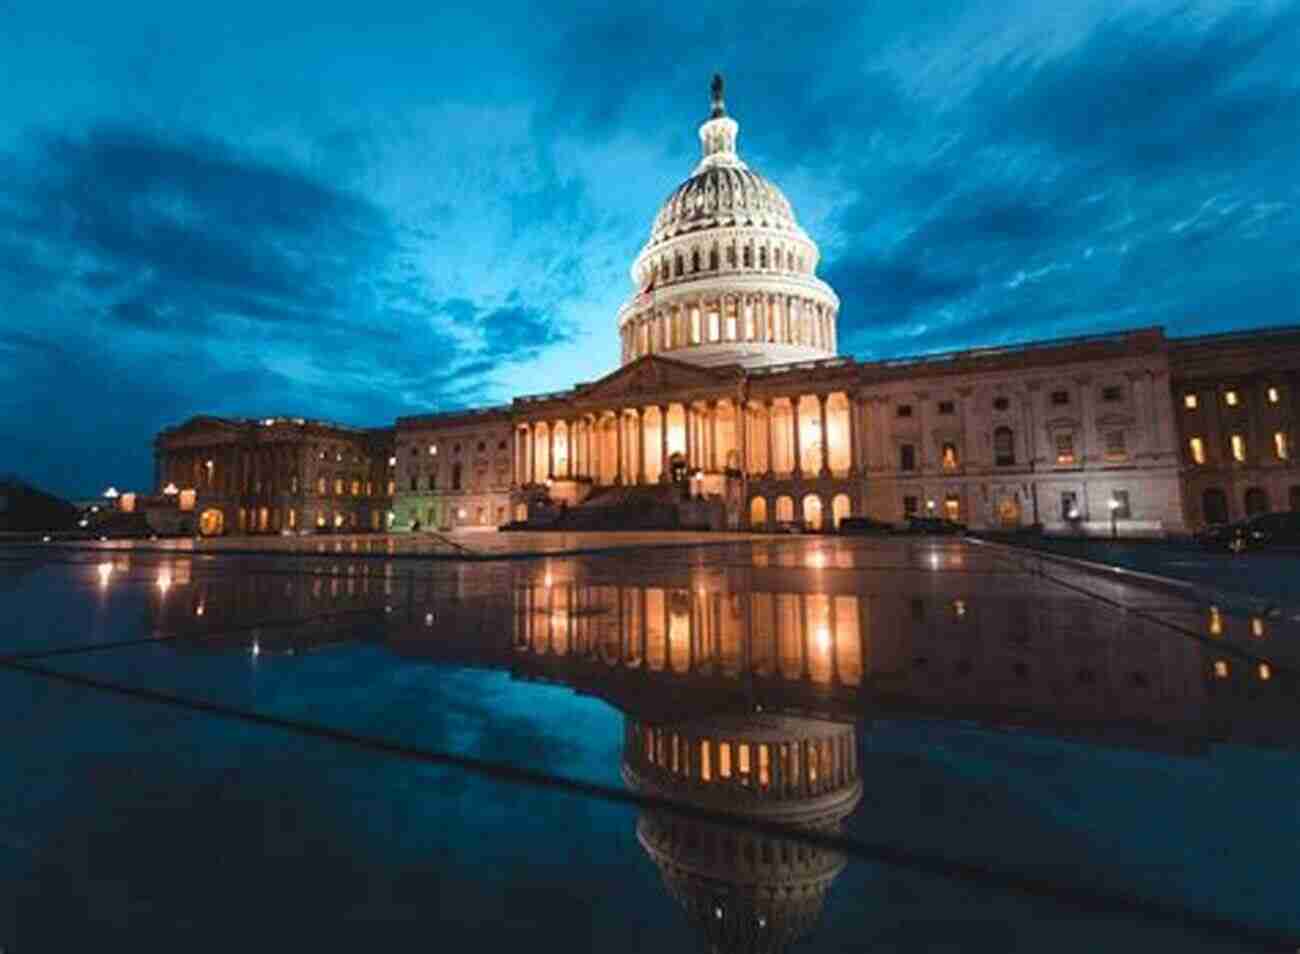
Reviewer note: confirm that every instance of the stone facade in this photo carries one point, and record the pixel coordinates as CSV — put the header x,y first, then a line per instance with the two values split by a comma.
x,y
729,386
274,474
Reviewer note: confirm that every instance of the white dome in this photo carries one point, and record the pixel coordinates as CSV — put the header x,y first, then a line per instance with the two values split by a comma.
x,y
727,275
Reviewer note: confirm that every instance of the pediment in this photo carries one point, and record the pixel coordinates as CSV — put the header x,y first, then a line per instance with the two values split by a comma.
x,y
650,376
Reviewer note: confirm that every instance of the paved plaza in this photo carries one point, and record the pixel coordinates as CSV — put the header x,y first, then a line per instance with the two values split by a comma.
x,y
957,732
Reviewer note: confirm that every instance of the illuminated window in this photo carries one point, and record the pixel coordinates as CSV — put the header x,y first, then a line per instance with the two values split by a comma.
x,y
293,518
1189,401
1115,445
338,486
1230,398
1221,669
949,456
1257,627
742,760
1265,672
1216,621
320,485
706,768
1197,447
1273,396
724,760
1280,445
392,487
764,766
952,507
433,449
356,488
1238,448
1065,447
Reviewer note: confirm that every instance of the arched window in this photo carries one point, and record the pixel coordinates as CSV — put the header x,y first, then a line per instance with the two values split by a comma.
x,y
758,513
777,257
731,256
695,260
680,265
1256,501
841,507
762,256
1004,446
455,476
747,256
1214,506
812,512
784,508
713,259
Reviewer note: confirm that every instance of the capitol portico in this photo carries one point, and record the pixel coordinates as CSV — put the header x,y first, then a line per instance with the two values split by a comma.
x,y
732,408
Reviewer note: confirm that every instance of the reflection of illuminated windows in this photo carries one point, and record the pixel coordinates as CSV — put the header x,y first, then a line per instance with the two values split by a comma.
x,y
764,766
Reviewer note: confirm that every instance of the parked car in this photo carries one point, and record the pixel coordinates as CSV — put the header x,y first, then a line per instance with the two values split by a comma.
x,y
940,525
865,525
1261,531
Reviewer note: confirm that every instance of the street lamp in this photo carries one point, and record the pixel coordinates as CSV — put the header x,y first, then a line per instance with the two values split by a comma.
x,y
1114,519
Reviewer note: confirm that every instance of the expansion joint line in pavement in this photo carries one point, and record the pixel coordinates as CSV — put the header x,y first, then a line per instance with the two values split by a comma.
x,y
1079,894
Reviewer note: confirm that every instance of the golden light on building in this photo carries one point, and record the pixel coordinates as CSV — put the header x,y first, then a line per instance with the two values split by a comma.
x,y
164,581
1221,669
186,499
1197,446
1216,621
1238,442
1265,672
1281,446
1189,401
105,571
1230,398
1273,396
1257,627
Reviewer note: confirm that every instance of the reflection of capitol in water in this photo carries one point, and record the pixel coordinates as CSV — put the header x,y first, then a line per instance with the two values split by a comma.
x,y
745,890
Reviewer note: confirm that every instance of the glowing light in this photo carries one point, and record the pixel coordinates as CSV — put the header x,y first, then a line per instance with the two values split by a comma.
x,y
823,638
257,648
105,571
83,522
817,560
111,493
547,581
45,539
1265,672
164,581
1216,622
392,462
428,619
460,514
198,610
171,490
959,607
1257,627
1221,669
1113,504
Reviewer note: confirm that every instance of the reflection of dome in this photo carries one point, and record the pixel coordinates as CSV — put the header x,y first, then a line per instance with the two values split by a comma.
x,y
745,890
728,276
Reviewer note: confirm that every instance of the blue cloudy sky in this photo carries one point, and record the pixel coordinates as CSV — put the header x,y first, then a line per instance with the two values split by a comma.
x,y
360,210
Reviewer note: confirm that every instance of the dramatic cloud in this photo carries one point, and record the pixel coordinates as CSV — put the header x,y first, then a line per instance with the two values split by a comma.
x,y
405,208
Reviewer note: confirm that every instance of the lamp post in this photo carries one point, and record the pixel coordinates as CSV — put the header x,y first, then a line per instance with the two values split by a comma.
x,y
1114,519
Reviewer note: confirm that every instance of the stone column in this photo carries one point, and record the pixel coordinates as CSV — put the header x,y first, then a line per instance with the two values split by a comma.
x,y
826,436
619,422
640,445
530,442
798,437
550,450
689,424
742,439
712,456
769,407
663,449
855,421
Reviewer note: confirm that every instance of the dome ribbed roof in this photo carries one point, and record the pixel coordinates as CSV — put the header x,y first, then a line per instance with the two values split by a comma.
x,y
723,195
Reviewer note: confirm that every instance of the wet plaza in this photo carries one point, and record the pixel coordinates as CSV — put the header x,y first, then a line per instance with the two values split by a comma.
x,y
640,743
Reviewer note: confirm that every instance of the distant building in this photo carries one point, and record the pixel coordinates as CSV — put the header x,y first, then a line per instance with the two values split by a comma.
x,y
730,388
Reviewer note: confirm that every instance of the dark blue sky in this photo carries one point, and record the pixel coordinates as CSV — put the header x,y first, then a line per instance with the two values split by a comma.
x,y
360,210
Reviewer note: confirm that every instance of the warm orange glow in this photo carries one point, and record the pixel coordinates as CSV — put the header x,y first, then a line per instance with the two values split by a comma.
x,y
127,503
1189,401
1265,672
1197,446
1221,669
1216,622
105,571
742,759
1238,448
706,769
764,766
724,760
187,499
1230,398
1281,445
1257,627
164,581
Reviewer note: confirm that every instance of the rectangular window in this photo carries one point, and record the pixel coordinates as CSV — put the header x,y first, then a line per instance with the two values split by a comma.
x,y
392,487
764,766
1001,403
742,760
946,407
904,410
320,485
1230,398
338,486
1112,393
1197,447
1115,445
1065,448
910,506
1274,396
907,457
1281,446
949,456
1060,397
1121,504
1004,447
706,765
1238,448
1189,401
724,760
952,507
356,487
1069,506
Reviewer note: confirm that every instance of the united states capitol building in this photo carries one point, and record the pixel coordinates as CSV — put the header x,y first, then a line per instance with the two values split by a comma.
x,y
731,408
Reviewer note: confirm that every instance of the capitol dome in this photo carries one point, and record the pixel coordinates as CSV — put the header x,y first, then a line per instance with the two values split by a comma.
x,y
728,276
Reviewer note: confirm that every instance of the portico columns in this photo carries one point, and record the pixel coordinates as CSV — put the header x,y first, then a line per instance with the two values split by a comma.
x,y
690,435
550,450
826,436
